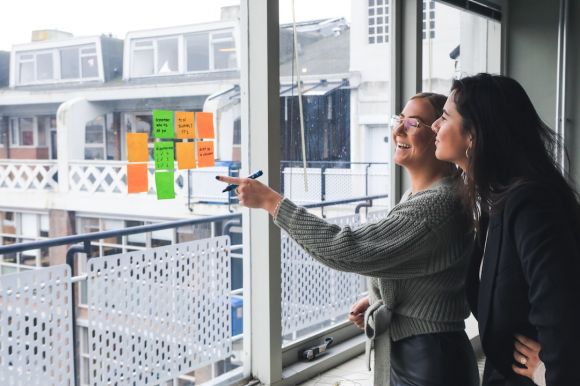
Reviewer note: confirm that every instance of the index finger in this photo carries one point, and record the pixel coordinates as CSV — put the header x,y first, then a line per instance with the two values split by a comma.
x,y
230,180
528,342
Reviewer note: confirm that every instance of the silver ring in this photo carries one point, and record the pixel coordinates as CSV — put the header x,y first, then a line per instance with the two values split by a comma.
x,y
524,360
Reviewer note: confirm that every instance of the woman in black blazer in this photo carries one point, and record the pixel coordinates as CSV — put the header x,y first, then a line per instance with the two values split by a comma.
x,y
525,274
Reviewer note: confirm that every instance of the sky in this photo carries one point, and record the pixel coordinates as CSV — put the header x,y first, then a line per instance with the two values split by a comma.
x,y
117,17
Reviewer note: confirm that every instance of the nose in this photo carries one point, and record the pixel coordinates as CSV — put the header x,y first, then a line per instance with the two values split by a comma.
x,y
398,129
435,126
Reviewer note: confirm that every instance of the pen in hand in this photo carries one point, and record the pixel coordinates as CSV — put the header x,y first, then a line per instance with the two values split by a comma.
x,y
231,187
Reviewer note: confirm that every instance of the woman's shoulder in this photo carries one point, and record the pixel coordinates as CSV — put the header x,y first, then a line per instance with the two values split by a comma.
x,y
439,200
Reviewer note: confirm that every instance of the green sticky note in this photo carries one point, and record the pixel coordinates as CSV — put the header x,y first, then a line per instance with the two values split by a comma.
x,y
164,185
163,124
164,155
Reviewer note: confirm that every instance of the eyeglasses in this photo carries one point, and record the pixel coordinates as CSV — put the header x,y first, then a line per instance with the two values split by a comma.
x,y
409,124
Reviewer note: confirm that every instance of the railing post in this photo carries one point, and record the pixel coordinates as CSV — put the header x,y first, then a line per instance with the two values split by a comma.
x,y
70,260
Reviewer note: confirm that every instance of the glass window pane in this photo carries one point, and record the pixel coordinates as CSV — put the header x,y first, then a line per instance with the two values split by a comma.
x,y
69,63
465,44
345,122
142,62
26,131
224,55
44,67
167,56
95,131
90,66
26,72
197,52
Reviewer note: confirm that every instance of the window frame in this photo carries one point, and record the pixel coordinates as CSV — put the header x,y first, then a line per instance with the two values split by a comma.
x,y
55,52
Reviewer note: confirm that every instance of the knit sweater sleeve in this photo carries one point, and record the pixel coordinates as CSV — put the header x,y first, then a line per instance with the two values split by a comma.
x,y
393,247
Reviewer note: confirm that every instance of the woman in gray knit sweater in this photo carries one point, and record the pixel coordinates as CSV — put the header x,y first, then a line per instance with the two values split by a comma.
x,y
415,258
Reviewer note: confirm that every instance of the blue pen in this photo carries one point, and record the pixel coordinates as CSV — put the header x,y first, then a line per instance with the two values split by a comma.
x,y
231,187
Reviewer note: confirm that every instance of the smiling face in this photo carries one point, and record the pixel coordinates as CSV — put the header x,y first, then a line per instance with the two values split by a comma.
x,y
415,147
451,141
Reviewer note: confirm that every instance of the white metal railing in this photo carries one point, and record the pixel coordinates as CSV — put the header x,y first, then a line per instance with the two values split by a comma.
x,y
28,174
328,184
153,315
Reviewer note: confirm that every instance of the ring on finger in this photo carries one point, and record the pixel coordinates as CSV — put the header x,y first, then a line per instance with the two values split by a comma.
x,y
523,360
237,190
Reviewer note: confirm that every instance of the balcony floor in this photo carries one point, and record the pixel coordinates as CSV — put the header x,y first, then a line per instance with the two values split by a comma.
x,y
354,373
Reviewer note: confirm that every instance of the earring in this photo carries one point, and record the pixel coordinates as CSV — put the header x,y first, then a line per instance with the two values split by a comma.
x,y
468,148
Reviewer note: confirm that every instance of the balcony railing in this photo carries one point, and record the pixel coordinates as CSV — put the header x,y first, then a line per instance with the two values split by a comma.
x,y
327,181
152,314
28,175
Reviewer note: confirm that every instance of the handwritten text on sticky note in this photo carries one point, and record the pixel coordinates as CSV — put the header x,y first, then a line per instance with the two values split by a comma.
x,y
164,155
205,154
184,124
163,124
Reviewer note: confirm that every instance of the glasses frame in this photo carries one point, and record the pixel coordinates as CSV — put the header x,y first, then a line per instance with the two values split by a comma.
x,y
396,121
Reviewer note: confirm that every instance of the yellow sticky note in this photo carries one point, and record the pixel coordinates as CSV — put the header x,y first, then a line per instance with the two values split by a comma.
x,y
184,124
185,155
204,123
137,147
205,155
137,178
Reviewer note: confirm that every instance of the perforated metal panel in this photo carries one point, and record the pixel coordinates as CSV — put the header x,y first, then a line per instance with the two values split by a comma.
x,y
159,313
36,345
311,292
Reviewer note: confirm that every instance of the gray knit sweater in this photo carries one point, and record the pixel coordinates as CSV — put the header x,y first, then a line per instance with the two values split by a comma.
x,y
416,256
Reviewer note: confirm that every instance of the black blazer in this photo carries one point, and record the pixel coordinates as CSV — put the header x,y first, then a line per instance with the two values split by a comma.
x,y
530,284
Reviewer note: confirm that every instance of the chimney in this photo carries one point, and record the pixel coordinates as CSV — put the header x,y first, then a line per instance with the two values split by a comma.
x,y
49,34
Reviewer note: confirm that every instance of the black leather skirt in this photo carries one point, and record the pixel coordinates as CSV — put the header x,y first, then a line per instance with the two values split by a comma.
x,y
441,359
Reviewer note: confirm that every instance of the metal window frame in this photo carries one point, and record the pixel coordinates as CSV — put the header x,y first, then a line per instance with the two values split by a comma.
x,y
265,358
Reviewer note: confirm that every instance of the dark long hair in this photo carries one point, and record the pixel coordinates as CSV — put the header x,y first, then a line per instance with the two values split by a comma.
x,y
511,145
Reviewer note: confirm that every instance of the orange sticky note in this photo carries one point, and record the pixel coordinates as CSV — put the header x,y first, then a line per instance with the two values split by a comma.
x,y
185,155
184,124
137,147
205,157
137,180
204,123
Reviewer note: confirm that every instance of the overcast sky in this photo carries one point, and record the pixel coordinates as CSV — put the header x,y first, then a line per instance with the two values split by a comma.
x,y
88,18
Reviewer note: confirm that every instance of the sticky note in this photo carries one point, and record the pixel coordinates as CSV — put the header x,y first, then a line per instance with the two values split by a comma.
x,y
204,123
137,178
163,124
164,185
185,152
137,150
205,156
164,155
184,124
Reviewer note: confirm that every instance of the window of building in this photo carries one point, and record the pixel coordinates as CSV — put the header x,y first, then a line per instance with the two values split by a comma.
x,y
78,62
428,19
22,132
224,51
146,50
95,139
465,44
143,58
378,21
197,52
44,66
20,227
58,64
